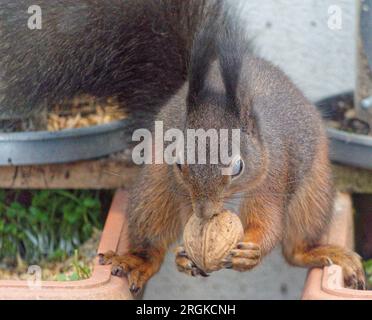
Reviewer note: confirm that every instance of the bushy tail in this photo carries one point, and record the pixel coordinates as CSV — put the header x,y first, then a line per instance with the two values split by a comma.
x,y
134,49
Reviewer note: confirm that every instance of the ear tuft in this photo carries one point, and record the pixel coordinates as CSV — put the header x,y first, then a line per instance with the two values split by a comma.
x,y
232,48
202,55
223,38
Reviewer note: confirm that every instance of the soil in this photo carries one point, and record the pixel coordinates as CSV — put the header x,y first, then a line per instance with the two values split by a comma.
x,y
84,111
79,112
52,271
340,114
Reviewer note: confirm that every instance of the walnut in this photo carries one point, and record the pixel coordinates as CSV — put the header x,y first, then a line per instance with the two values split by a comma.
x,y
207,243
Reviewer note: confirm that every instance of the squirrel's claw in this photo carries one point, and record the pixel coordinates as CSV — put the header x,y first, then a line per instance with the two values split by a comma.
x,y
244,257
198,272
106,258
134,289
136,267
186,265
117,271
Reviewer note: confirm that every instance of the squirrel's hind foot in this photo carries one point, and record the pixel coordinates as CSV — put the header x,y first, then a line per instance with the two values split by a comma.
x,y
138,266
326,255
354,276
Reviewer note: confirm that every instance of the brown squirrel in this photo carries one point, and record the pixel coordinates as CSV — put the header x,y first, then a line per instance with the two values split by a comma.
x,y
142,51
282,177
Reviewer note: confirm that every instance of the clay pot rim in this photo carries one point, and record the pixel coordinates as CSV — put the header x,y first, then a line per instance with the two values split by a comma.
x,y
100,285
328,283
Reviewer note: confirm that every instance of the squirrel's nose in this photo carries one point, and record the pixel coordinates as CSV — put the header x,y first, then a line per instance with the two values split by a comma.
x,y
206,209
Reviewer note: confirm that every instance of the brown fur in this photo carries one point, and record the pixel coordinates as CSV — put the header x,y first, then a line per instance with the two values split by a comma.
x,y
286,191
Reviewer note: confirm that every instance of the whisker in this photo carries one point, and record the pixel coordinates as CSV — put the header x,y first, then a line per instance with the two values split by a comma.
x,y
113,173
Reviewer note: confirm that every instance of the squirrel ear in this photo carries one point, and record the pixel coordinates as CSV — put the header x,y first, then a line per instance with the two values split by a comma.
x,y
202,55
232,48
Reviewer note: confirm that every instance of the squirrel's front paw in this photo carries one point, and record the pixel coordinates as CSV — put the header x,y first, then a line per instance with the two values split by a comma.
x,y
244,257
137,268
185,265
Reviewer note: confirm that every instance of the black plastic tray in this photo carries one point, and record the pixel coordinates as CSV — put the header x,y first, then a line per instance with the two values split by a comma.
x,y
347,148
42,147
32,148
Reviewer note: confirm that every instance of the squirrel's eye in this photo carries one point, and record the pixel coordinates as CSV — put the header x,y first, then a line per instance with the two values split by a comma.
x,y
179,166
237,168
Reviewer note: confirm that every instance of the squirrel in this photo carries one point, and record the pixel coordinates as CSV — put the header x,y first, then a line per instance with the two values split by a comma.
x,y
187,64
282,177
123,48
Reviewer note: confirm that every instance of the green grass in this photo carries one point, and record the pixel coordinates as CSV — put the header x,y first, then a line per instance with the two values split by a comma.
x,y
80,270
46,225
368,269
